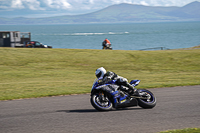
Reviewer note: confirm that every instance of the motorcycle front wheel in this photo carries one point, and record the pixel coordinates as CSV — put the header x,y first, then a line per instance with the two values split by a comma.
x,y
150,100
101,104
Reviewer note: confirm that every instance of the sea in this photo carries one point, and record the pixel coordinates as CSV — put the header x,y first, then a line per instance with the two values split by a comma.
x,y
123,36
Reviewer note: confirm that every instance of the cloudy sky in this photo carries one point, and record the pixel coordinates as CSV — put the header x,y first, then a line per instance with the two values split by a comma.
x,y
73,7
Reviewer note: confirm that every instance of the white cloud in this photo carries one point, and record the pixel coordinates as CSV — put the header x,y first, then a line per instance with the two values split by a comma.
x,y
22,4
17,4
143,3
32,4
91,1
58,4
84,4
80,6
162,2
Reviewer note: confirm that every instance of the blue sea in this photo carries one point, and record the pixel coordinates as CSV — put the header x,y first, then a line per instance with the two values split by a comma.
x,y
131,36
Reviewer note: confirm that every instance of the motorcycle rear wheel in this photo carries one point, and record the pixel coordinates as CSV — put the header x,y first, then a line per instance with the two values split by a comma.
x,y
99,104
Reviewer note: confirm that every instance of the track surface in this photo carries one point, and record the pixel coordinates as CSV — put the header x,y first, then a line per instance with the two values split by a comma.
x,y
177,108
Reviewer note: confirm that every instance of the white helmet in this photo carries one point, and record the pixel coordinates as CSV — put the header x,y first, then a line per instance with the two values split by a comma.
x,y
100,72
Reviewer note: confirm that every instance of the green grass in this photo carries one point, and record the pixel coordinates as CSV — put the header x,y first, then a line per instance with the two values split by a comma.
x,y
26,73
186,130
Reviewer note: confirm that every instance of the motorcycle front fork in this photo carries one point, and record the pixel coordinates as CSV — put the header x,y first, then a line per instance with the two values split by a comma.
x,y
102,96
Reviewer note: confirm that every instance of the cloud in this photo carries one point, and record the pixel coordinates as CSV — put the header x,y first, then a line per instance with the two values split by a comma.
x,y
29,4
83,4
35,4
162,2
143,3
57,4
72,7
17,4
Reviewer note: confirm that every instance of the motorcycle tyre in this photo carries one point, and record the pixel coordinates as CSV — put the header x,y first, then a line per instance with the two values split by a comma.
x,y
147,105
98,107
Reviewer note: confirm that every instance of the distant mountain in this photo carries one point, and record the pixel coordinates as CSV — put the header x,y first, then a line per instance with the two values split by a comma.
x,y
191,10
120,13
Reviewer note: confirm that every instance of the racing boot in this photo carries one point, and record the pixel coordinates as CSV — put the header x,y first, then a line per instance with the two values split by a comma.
x,y
132,91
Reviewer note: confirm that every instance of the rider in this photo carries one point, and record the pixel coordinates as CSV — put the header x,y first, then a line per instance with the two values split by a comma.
x,y
106,43
107,76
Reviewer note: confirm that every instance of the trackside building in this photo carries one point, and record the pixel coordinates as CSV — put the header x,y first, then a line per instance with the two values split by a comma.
x,y
14,38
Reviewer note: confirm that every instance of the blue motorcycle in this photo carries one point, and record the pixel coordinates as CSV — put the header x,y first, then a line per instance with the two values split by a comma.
x,y
106,96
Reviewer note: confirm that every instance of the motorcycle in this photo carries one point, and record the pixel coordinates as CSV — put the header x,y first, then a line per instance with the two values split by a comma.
x,y
106,46
105,97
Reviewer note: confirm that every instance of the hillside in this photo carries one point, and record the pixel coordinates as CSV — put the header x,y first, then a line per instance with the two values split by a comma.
x,y
118,14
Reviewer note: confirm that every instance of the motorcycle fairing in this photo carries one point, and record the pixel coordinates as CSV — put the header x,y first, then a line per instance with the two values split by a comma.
x,y
119,100
134,82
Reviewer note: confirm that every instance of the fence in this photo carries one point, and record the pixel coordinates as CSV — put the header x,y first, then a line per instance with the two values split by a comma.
x,y
156,48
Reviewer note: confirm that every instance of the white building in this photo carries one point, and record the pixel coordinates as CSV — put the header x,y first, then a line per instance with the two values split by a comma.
x,y
14,38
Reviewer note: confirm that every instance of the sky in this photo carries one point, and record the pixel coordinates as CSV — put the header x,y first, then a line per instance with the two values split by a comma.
x,y
46,8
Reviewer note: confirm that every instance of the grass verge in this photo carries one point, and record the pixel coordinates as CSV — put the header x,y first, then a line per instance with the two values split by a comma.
x,y
26,73
186,130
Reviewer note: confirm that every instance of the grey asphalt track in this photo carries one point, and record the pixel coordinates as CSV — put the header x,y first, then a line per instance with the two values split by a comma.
x,y
177,108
